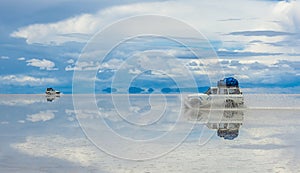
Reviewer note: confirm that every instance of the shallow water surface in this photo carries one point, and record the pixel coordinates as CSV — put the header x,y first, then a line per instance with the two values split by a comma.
x,y
147,133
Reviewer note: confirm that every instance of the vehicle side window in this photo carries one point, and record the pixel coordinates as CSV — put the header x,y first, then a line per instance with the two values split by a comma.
x,y
214,91
223,91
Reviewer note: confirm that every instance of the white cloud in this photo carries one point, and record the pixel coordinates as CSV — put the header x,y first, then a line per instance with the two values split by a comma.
x,y
152,64
83,66
288,14
70,68
260,72
280,16
214,19
21,59
41,116
70,61
4,57
72,29
200,14
42,64
26,80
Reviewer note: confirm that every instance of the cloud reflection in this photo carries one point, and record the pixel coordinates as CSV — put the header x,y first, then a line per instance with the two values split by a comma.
x,y
267,139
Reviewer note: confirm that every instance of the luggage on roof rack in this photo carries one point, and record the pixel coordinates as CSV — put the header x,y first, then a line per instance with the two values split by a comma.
x,y
228,82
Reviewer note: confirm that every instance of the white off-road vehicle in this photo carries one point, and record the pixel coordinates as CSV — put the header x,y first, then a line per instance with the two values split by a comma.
x,y
51,91
227,93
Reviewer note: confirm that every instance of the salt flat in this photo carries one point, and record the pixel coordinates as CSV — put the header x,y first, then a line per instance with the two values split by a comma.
x,y
143,133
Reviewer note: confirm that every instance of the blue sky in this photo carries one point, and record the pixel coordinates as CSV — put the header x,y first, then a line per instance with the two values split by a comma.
x,y
257,41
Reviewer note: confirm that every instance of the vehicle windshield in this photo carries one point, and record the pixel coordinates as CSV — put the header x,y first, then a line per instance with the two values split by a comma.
x,y
208,91
234,91
211,91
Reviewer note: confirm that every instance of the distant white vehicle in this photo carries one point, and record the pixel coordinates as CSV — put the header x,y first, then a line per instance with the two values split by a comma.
x,y
227,93
51,91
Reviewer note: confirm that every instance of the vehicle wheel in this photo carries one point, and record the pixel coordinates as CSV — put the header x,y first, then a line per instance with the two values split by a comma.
x,y
229,104
195,102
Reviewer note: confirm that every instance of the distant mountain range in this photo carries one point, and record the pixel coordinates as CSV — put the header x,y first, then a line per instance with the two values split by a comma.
x,y
139,90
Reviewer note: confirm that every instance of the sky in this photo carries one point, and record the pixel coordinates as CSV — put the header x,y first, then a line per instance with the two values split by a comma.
x,y
256,41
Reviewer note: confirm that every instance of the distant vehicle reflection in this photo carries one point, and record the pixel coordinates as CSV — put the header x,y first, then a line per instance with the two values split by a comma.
x,y
226,122
51,98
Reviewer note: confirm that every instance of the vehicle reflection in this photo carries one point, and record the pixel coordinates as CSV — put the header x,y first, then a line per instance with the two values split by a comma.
x,y
51,98
226,122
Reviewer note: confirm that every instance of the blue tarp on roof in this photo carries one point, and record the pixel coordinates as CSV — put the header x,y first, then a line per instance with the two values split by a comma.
x,y
230,81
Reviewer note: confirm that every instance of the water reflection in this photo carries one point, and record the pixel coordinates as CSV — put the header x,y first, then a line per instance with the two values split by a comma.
x,y
226,122
47,137
137,122
51,98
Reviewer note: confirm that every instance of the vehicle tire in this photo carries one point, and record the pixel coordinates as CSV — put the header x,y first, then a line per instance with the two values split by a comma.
x,y
229,104
195,102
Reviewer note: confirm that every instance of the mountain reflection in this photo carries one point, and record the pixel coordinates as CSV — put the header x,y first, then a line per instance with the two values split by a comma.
x,y
226,122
